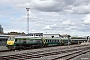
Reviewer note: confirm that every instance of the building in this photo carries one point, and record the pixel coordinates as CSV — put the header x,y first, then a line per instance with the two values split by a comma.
x,y
3,39
1,29
52,35
44,35
65,35
36,34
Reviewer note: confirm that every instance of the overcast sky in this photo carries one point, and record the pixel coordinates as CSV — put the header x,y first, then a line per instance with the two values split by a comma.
x,y
46,16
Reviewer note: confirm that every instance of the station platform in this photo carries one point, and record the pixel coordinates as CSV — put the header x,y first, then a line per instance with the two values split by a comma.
x,y
3,48
85,43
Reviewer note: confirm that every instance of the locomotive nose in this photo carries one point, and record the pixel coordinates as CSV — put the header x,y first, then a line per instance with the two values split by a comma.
x,y
10,42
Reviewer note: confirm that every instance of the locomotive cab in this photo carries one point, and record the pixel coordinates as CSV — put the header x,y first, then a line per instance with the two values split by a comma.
x,y
10,42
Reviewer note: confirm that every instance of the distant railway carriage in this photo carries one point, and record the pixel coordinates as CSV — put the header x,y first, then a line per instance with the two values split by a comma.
x,y
66,41
51,41
78,41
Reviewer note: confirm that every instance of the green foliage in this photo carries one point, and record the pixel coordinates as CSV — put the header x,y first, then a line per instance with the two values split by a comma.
x,y
1,32
16,33
78,38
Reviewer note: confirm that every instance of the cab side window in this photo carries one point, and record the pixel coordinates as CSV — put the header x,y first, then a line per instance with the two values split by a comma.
x,y
15,40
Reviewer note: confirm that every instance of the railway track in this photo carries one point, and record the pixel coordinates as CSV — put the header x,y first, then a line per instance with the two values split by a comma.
x,y
56,54
71,46
71,55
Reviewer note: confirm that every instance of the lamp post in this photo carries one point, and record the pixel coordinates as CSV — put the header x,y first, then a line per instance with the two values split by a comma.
x,y
68,39
27,20
87,39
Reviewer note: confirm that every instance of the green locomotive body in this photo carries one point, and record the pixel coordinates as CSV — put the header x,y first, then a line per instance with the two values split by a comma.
x,y
28,42
25,42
